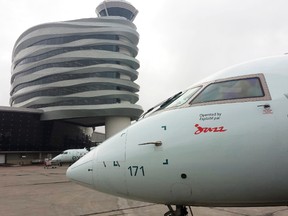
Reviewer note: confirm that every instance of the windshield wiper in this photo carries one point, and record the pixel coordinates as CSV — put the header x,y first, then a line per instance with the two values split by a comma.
x,y
148,111
169,100
161,105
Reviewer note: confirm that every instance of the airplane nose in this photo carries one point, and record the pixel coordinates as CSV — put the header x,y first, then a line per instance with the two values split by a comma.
x,y
81,171
55,159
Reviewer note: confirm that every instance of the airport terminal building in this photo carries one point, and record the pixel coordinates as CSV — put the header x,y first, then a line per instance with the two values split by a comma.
x,y
68,78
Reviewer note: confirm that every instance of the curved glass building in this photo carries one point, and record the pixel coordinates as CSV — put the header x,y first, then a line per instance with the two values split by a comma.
x,y
80,71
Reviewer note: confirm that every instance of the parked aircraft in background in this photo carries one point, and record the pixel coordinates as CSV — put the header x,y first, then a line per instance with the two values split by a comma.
x,y
69,156
221,142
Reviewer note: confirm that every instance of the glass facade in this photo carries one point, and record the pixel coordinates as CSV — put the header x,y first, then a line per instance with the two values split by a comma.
x,y
115,11
21,131
82,101
64,50
62,91
77,63
51,64
61,77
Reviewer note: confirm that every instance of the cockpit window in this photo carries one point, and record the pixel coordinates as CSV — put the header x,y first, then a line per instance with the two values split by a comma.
x,y
251,87
230,90
183,98
65,152
175,101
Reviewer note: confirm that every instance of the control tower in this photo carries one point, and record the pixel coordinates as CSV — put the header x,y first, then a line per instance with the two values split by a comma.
x,y
80,71
117,8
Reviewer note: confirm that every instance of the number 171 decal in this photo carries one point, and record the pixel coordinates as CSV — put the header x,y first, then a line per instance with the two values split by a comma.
x,y
136,170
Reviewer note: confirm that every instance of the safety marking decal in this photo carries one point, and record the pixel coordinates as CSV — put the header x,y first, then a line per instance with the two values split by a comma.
x,y
116,163
164,127
166,162
111,163
200,129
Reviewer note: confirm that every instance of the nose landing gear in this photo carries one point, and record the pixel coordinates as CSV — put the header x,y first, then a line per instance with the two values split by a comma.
x,y
180,211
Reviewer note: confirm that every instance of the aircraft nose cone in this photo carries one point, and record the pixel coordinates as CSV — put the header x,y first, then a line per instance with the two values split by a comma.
x,y
81,171
55,158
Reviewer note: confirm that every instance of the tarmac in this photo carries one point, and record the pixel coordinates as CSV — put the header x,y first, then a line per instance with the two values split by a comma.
x,y
33,190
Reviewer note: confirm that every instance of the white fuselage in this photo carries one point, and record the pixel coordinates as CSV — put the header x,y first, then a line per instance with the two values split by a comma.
x,y
218,153
69,156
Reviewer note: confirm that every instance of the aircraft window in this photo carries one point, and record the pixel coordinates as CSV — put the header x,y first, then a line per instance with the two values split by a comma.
x,y
177,100
183,98
228,90
65,153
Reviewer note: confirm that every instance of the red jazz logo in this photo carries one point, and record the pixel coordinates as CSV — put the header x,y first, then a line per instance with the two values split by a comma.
x,y
209,129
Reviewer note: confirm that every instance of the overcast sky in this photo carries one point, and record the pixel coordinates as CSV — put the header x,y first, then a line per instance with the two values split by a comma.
x,y
181,42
